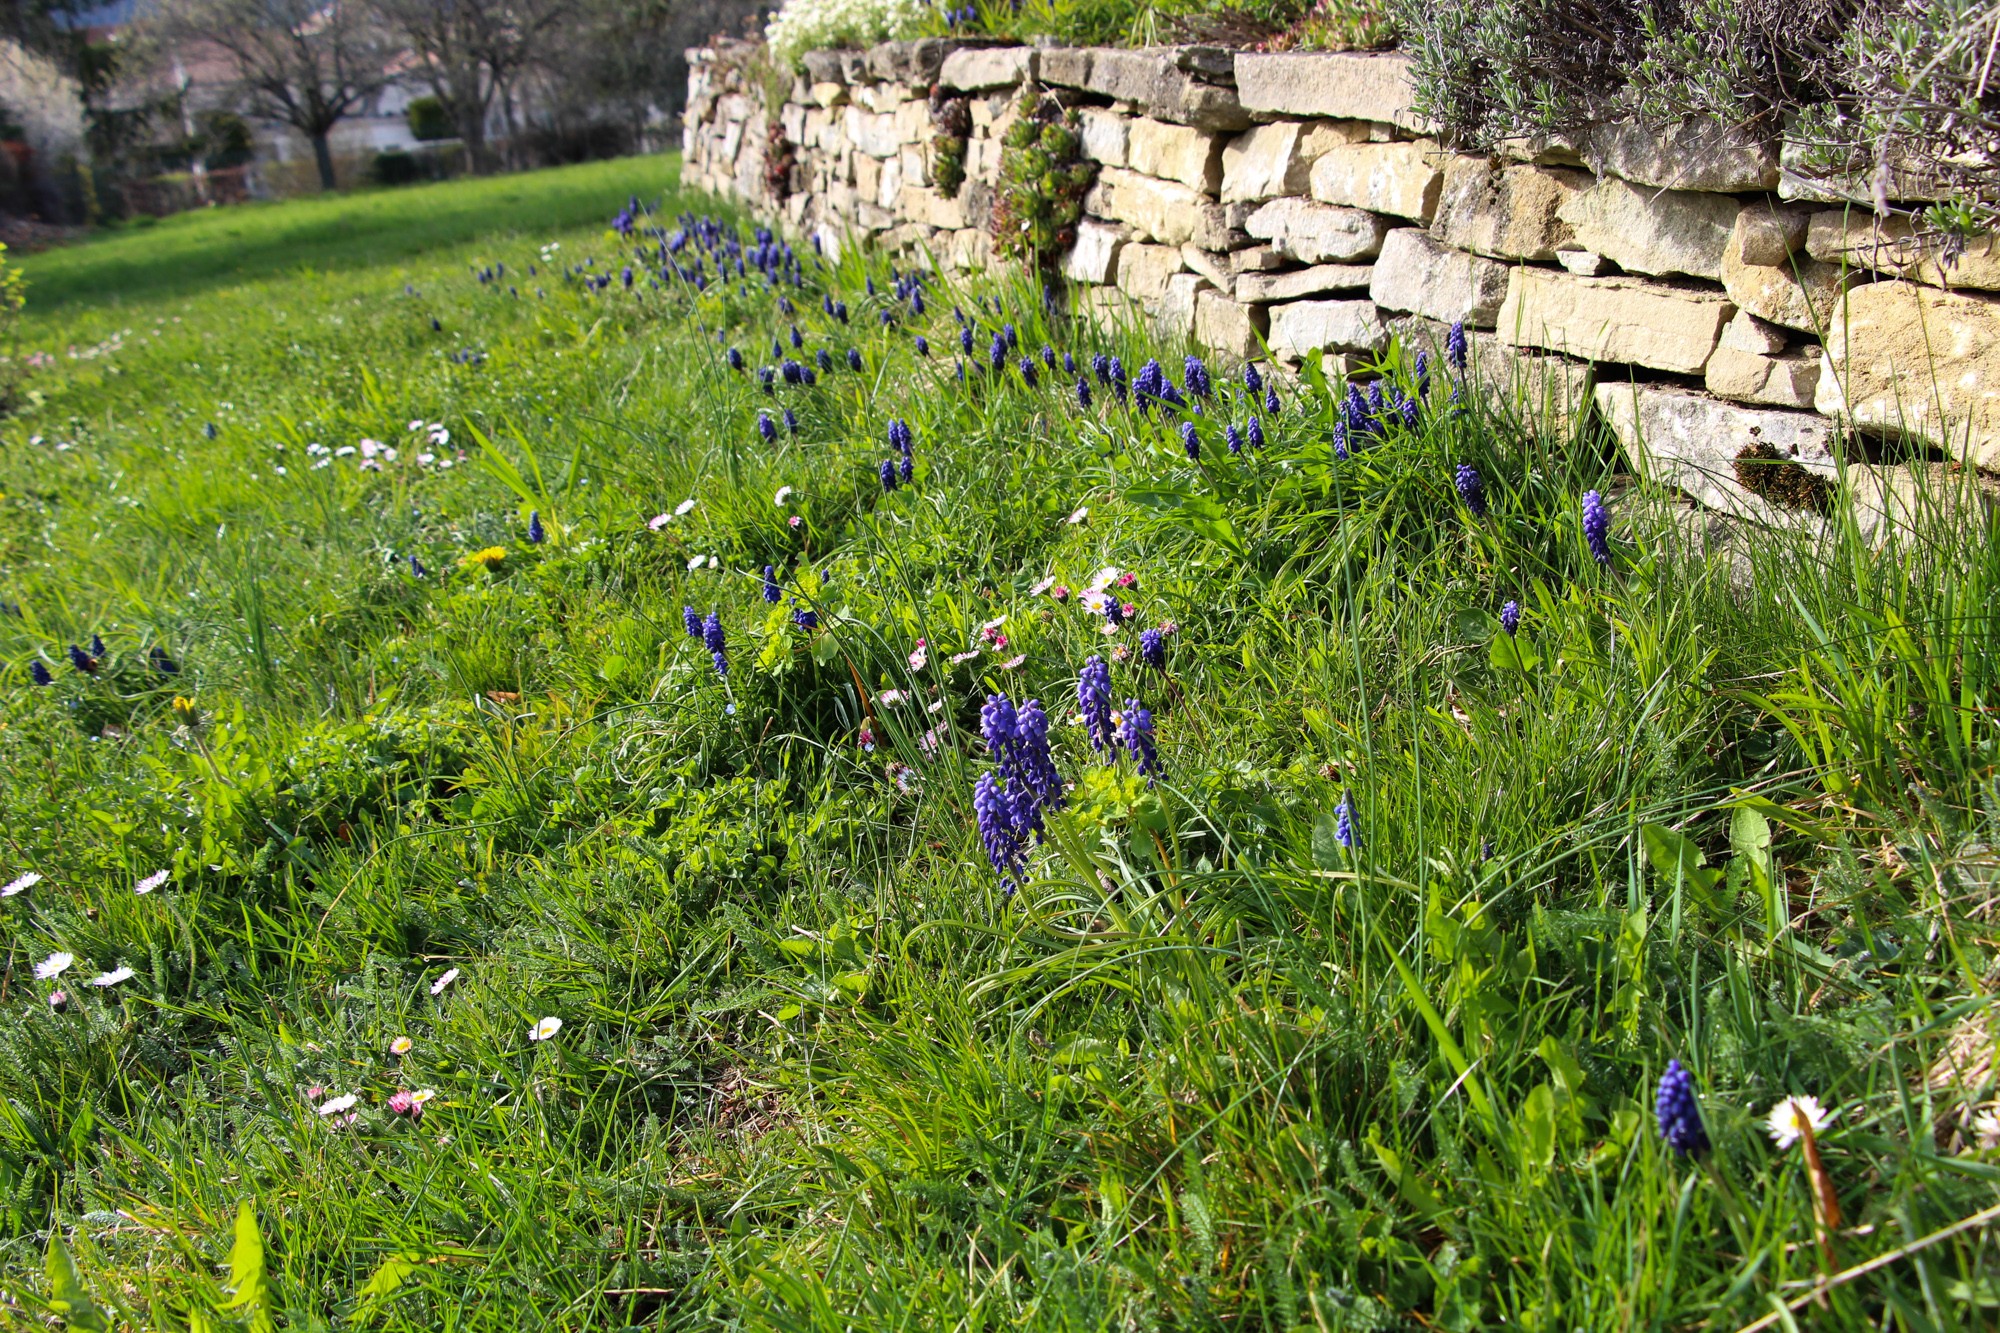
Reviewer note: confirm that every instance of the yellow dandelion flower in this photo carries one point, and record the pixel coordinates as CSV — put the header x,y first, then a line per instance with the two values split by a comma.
x,y
489,559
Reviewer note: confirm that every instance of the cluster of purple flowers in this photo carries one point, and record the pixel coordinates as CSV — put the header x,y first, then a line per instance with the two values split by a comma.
x,y
1011,799
904,443
1093,700
1678,1114
709,631
1151,386
1471,489
1135,732
1510,618
536,533
772,592
1597,527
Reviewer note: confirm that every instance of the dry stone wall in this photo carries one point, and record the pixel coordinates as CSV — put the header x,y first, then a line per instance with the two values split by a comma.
x,y
1680,285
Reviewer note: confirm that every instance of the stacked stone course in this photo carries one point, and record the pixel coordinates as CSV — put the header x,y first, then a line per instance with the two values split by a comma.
x,y
1684,286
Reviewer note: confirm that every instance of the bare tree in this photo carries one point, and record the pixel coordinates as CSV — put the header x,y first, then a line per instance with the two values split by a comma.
x,y
306,63
472,52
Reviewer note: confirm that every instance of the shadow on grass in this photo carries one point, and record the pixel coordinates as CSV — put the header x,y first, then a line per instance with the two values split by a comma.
x,y
191,252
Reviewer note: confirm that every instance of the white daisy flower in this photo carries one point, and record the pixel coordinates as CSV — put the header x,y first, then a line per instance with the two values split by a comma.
x,y
151,882
696,563
422,1095
1038,589
684,507
658,521
1080,513
545,1029
891,696
54,965
335,1105
20,884
401,1046
784,494
437,987
113,977
1793,1117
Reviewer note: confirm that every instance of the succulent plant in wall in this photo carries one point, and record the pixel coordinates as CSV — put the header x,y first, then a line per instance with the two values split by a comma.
x,y
1043,179
951,130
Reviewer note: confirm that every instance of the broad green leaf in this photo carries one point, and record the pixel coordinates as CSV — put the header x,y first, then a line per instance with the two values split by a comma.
x,y
1749,832
376,1292
67,1296
1538,1122
250,1291
1676,857
1508,653
1328,854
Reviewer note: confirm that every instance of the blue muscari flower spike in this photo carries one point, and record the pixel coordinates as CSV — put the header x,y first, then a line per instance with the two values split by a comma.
x,y
825,360
1252,380
994,808
791,372
163,664
97,645
1454,347
1093,700
1343,823
1013,338
1234,437
1255,430
39,673
923,345
1195,372
1048,356
1340,440
1135,731
1423,369
805,618
768,378
1678,1113
1510,617
1029,375
1408,409
735,359
997,352
691,621
712,639
777,348
965,340
1100,365
417,569
1083,393
854,358
1375,403
771,590
961,372
82,661
1069,364
1118,381
536,533
1114,610
1471,489
887,472
906,468
210,431
1271,400
1597,527
798,339
767,427
1153,649
840,311
1190,440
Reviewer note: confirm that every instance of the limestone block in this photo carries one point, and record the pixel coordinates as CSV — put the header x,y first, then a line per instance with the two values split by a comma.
x,y
817,122
982,160
867,177
1262,162
1318,233
1903,357
1788,379
1257,259
915,166
1772,233
913,123
1398,178
1164,211
1891,245
1691,441
971,248
829,95
1177,83
1066,66
1105,136
1145,270
1694,155
871,133
1338,326
976,69
1505,212
1346,85
822,66
792,119
1315,281
1177,153
891,183
1585,263
1414,273
1798,291
1213,267
1227,326
1094,257
1653,231
880,97
1176,312
928,207
1625,320
1747,333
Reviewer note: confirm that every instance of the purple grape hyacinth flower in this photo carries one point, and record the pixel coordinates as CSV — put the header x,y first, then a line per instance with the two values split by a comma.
x,y
1597,527
1195,372
1135,731
1454,347
712,639
771,590
767,427
1255,432
1678,1113
1234,437
1191,440
1471,489
887,472
536,533
1271,400
923,345
1510,617
791,421
1153,649
1252,380
735,360
1029,375
1093,700
39,673
1343,823
692,621
994,809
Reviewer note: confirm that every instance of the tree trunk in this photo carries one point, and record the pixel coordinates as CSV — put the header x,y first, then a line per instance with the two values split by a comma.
x,y
507,120
472,131
323,157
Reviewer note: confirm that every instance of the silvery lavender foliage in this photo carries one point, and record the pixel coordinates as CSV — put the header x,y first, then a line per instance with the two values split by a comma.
x,y
771,590
1093,700
1678,1113
1454,347
1597,527
994,809
887,472
1471,489
1255,432
1343,823
1191,440
536,533
1153,649
691,621
711,637
1135,732
1510,617
1234,437
767,427
1195,373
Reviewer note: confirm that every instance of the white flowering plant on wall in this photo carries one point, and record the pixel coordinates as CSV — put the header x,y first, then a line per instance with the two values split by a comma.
x,y
807,25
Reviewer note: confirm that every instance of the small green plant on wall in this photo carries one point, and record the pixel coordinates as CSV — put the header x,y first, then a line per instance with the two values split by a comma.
x,y
951,131
1043,178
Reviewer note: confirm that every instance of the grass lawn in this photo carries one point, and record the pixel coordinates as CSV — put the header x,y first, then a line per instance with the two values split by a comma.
x,y
585,856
